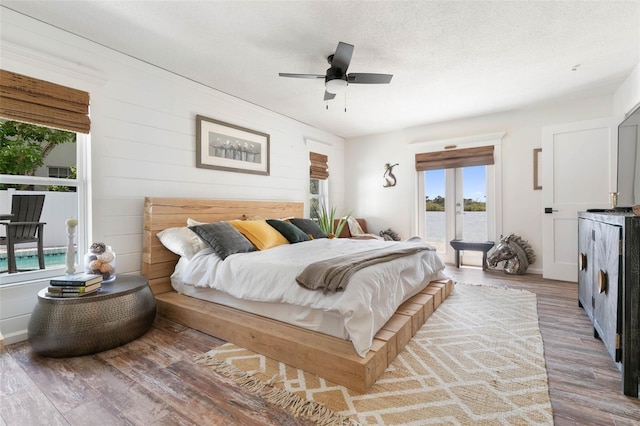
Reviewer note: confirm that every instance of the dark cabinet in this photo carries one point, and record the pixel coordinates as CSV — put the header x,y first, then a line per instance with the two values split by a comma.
x,y
609,286
607,259
585,266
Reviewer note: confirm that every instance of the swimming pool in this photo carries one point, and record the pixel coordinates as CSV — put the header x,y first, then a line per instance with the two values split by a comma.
x,y
31,262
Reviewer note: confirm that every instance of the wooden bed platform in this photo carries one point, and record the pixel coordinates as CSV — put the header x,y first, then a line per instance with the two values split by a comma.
x,y
329,357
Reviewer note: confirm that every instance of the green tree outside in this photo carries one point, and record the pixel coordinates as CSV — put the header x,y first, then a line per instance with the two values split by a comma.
x,y
474,206
23,147
470,205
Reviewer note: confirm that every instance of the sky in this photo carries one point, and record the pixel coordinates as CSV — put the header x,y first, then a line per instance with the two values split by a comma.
x,y
474,185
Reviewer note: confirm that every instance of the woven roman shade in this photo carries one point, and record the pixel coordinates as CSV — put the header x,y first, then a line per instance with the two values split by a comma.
x,y
319,168
39,102
451,159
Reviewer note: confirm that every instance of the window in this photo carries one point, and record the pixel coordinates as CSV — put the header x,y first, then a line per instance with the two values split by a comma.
x,y
318,195
319,174
59,172
63,193
39,158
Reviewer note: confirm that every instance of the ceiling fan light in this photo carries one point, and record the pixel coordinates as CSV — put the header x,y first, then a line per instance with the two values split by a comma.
x,y
336,86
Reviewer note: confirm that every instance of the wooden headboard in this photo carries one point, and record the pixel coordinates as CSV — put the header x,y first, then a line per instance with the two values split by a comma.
x,y
158,263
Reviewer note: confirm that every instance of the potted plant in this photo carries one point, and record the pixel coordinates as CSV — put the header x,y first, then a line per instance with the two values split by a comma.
x,y
326,220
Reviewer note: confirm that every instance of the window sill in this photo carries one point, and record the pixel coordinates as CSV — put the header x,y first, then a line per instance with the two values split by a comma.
x,y
7,280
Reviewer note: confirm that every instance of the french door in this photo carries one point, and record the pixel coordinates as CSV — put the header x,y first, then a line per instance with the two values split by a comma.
x,y
458,205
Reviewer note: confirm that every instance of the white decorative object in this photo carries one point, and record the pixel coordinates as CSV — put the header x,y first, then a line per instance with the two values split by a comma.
x,y
70,258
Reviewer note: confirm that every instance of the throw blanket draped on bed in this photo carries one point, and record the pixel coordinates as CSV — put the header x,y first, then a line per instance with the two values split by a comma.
x,y
333,275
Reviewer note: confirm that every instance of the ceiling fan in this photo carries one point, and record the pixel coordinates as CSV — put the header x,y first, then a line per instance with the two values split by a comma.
x,y
336,79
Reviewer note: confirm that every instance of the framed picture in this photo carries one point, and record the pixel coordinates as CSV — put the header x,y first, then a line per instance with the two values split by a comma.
x,y
224,146
536,169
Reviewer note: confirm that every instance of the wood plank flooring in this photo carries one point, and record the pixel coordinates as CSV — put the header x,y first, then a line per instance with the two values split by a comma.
x,y
153,380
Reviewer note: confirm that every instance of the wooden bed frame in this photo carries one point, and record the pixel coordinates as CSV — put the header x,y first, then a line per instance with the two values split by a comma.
x,y
329,357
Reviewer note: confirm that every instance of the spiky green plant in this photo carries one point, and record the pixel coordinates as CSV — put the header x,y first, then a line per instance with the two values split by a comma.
x,y
326,220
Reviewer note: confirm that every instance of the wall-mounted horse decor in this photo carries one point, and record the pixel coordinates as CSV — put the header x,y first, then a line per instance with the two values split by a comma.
x,y
516,252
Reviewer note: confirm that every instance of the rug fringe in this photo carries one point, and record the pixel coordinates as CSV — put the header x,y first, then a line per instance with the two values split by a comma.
x,y
298,406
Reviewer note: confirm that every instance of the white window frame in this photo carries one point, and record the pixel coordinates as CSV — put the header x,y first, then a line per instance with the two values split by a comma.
x,y
84,225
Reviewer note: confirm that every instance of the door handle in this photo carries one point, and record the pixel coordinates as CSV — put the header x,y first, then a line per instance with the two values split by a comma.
x,y
549,210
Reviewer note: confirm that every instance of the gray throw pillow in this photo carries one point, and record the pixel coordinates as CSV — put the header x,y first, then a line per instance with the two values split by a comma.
x,y
292,233
223,238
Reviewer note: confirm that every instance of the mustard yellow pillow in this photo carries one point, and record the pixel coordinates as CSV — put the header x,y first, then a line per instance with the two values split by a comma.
x,y
260,233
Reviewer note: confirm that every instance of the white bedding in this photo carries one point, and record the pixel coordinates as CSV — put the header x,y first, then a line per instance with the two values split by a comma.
x,y
268,277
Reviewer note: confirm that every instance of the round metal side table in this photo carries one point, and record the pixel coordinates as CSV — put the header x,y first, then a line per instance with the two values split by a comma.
x,y
120,312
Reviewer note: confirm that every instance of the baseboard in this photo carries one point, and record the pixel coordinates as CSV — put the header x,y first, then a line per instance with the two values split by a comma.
x,y
15,337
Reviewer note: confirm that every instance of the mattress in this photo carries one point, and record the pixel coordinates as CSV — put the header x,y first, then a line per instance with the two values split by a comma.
x,y
264,283
325,322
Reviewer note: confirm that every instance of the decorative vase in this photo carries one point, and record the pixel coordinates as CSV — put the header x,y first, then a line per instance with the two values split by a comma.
x,y
101,260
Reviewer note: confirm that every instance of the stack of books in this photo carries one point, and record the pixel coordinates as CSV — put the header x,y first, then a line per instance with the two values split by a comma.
x,y
75,285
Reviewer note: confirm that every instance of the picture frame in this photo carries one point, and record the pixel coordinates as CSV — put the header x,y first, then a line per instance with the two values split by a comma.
x,y
232,148
536,169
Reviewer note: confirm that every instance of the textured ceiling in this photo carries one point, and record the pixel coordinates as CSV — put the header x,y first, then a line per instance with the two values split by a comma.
x,y
450,59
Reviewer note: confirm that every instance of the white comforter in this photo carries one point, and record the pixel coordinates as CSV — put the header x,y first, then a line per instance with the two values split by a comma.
x,y
372,296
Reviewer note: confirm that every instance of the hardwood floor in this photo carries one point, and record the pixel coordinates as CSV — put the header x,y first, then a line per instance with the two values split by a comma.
x,y
154,381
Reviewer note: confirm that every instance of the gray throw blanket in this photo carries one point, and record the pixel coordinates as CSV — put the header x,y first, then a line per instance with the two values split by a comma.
x,y
334,274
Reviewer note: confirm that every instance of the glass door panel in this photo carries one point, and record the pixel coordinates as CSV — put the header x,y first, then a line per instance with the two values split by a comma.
x,y
474,189
435,209
473,201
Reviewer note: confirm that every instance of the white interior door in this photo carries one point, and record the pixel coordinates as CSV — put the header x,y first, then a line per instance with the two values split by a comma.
x,y
578,173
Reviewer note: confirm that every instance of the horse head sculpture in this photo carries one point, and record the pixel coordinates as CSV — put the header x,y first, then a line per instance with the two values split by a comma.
x,y
516,252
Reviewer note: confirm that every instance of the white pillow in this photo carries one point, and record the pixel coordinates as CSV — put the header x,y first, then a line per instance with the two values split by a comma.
x,y
182,241
354,227
193,222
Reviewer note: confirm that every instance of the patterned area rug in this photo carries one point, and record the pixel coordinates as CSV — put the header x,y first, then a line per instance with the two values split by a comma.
x,y
478,360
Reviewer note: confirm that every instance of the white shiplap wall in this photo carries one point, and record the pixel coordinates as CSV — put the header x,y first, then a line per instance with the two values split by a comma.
x,y
143,142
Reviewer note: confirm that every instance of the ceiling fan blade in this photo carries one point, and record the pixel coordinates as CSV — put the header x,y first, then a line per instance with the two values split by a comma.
x,y
328,96
285,74
342,57
367,78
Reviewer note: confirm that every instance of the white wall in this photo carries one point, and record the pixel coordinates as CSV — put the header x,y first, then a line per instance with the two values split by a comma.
x,y
522,206
143,140
628,94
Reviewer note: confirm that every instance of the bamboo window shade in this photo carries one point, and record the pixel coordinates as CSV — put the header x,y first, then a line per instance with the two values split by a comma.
x,y
319,168
451,159
39,102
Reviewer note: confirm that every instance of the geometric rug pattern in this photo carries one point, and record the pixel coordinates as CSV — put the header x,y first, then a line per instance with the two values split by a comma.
x,y
478,360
